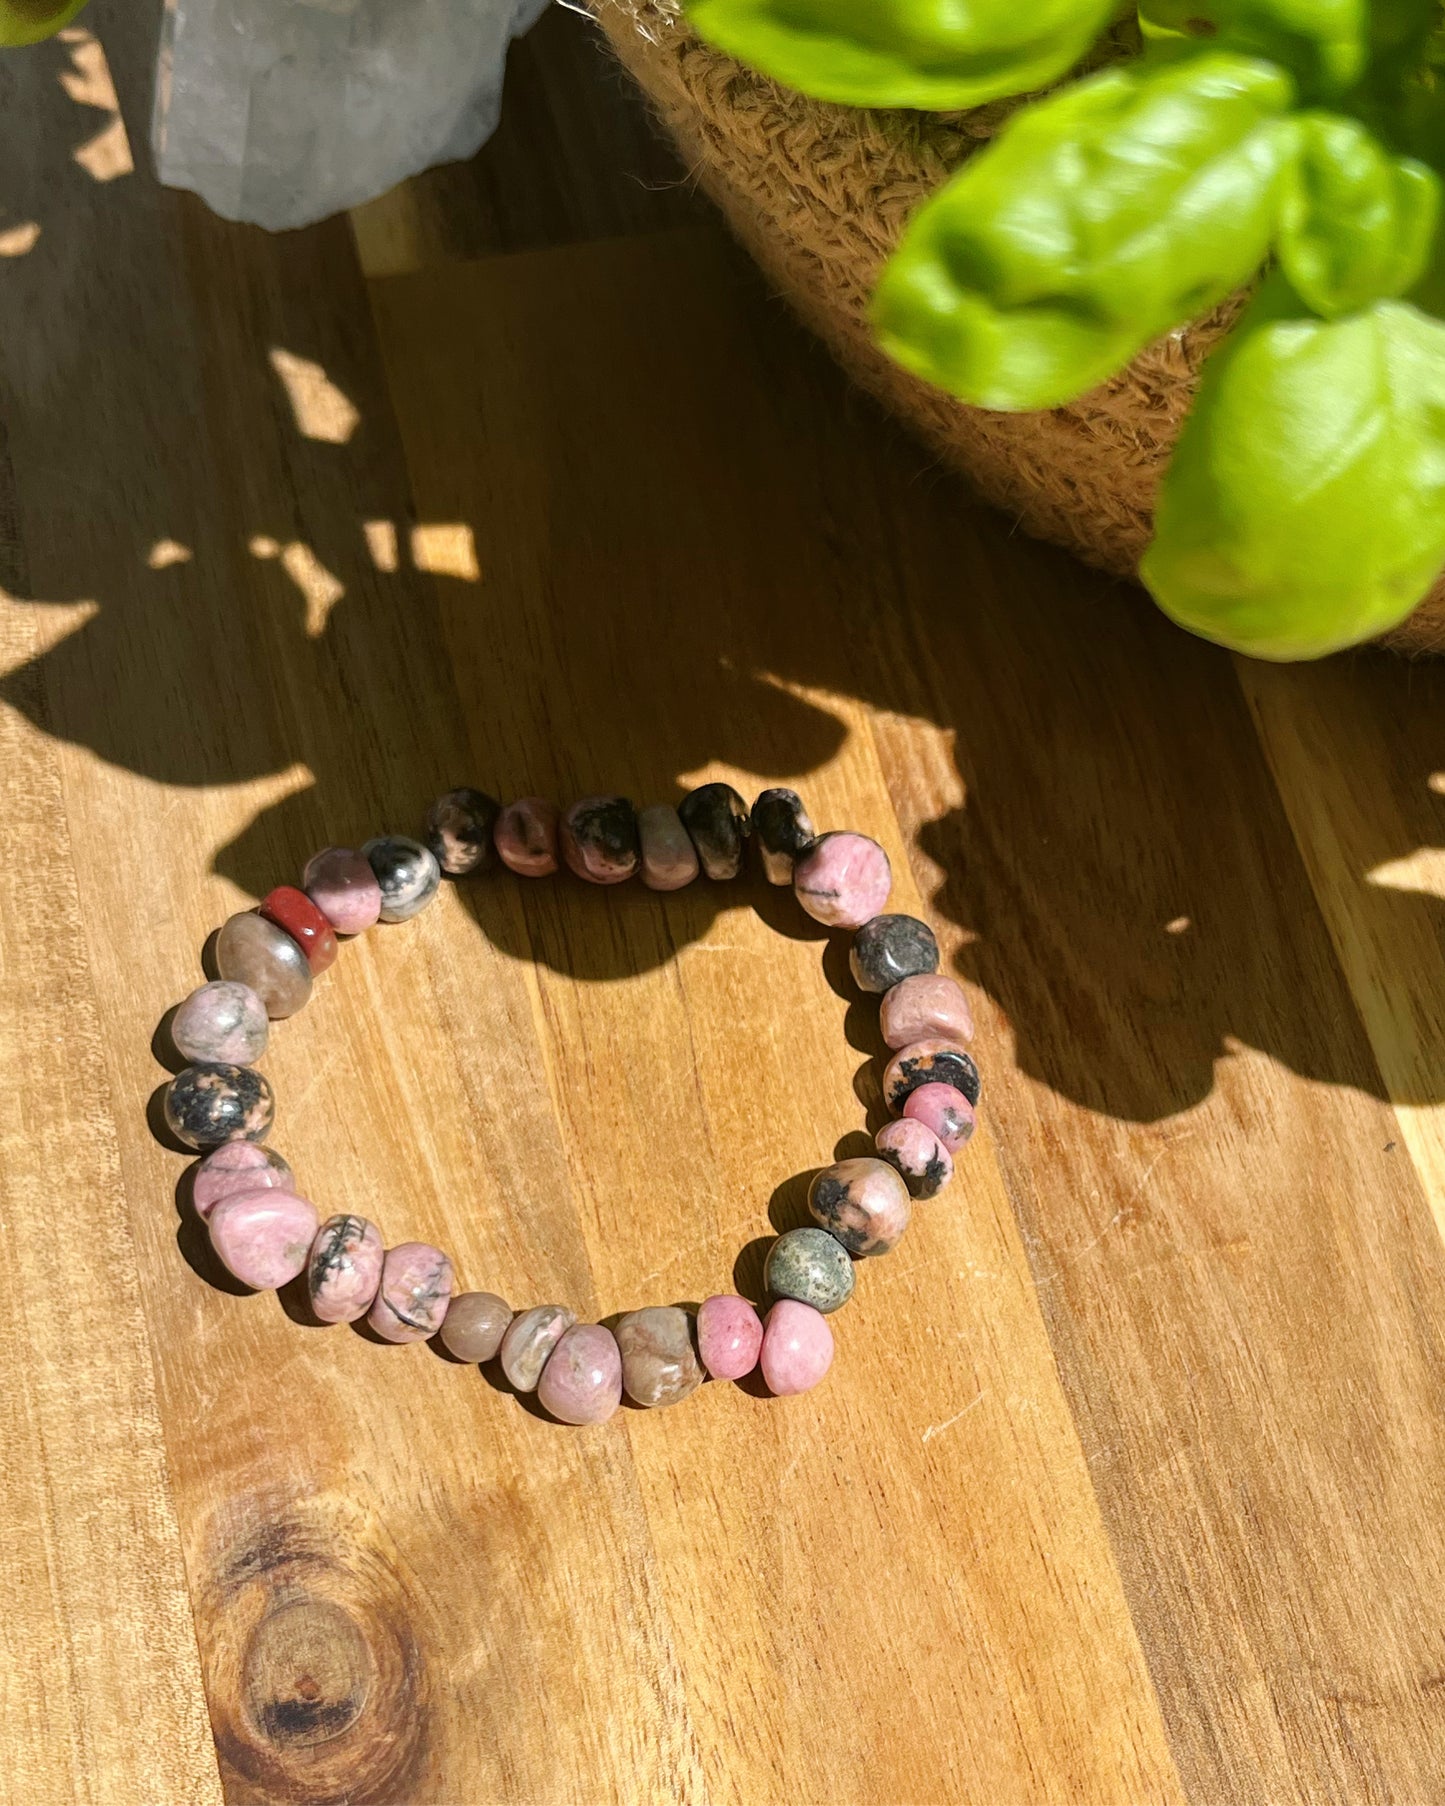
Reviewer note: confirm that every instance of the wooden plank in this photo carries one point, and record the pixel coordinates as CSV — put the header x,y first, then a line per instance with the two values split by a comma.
x,y
1354,747
1237,1263
635,494
95,1628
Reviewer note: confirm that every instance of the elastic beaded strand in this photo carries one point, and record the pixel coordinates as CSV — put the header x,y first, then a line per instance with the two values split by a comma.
x,y
268,1236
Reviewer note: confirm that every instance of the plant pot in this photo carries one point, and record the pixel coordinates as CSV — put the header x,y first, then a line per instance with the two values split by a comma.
x,y
819,195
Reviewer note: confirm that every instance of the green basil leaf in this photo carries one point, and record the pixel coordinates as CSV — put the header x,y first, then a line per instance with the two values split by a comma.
x,y
28,21
1323,43
1096,220
1304,509
1356,222
931,54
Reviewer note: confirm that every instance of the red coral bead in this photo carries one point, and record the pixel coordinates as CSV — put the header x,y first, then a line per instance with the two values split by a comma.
x,y
294,911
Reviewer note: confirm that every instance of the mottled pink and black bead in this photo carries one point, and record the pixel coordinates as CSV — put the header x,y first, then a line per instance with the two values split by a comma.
x,y
406,871
782,832
599,839
717,822
864,1203
922,1161
459,830
343,1268
526,837
411,1301
342,885
263,1238
235,1167
223,1021
888,949
945,1110
843,880
206,1105
930,1062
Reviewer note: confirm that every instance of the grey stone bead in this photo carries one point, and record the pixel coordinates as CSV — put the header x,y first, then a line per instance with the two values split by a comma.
x,y
717,821
782,830
812,1266
659,1355
889,949
407,872
459,832
206,1105
252,951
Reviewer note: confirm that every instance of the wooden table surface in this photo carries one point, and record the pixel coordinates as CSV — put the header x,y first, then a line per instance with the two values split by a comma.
x,y
1128,1484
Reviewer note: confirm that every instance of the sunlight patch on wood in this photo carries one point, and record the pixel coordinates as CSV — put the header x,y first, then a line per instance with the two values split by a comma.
x,y
1422,871
107,156
19,241
38,627
166,552
381,543
319,586
322,411
446,549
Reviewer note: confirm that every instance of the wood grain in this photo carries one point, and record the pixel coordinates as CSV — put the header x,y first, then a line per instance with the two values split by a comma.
x,y
1127,1482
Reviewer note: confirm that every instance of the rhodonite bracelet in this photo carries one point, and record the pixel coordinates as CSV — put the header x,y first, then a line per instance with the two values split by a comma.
x,y
268,1235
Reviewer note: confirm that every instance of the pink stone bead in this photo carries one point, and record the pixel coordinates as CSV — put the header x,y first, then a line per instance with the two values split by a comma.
x,y
416,1285
342,885
669,859
797,1347
944,1110
263,1237
238,1166
582,1381
843,880
343,1269
923,1162
729,1336
927,1006
526,837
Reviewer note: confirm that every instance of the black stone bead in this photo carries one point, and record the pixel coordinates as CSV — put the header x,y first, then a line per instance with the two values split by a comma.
x,y
889,949
206,1105
717,822
782,830
934,1063
459,832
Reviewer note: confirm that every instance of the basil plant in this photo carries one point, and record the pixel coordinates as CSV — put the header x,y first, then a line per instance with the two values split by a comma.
x,y
1292,145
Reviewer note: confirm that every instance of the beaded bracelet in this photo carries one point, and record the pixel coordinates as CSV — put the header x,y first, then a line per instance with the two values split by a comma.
x,y
267,1235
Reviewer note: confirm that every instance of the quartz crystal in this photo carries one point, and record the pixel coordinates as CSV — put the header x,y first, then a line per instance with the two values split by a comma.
x,y
279,112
